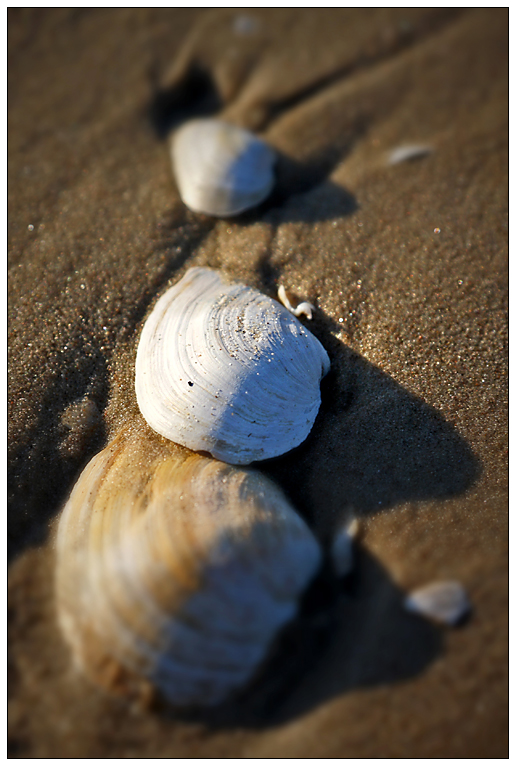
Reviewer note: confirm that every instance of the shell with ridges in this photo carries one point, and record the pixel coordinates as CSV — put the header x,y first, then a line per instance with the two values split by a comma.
x,y
221,169
176,570
224,369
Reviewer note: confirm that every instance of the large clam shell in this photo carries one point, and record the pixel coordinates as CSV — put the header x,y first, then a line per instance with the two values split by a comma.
x,y
221,169
224,369
176,570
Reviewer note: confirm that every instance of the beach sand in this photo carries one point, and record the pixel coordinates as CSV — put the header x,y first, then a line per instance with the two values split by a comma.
x,y
407,266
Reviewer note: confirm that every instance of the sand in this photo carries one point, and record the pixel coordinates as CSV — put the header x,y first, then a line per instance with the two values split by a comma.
x,y
407,266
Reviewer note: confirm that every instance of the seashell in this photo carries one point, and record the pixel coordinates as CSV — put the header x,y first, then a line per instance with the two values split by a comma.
x,y
341,551
445,602
407,153
221,169
302,309
244,25
223,369
175,571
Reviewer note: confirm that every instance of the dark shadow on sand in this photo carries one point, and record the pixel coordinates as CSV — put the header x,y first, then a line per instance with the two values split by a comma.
x,y
374,444
303,193
348,634
385,446
196,96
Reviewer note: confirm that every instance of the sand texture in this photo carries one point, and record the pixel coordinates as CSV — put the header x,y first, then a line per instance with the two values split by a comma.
x,y
406,264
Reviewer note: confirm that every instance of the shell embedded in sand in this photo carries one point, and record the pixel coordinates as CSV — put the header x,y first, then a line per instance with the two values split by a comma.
x,y
221,169
445,602
302,309
341,550
408,152
176,570
224,369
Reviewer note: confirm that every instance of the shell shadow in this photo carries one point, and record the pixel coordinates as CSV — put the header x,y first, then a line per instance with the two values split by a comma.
x,y
196,95
373,446
303,193
348,634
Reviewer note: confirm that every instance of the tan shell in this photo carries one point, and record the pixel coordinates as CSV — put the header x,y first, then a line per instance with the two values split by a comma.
x,y
176,571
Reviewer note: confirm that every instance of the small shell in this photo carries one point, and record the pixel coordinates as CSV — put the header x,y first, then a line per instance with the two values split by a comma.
x,y
408,153
302,309
245,25
176,571
221,169
445,602
223,369
341,551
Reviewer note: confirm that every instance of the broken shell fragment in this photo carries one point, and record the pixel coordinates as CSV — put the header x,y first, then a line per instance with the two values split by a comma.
x,y
224,369
221,169
302,309
176,571
445,602
341,551
407,153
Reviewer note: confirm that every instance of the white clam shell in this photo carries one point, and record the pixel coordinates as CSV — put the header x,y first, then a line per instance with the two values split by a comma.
x,y
176,571
221,169
445,602
224,369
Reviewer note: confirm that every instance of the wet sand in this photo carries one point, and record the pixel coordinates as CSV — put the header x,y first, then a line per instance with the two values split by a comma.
x,y
407,266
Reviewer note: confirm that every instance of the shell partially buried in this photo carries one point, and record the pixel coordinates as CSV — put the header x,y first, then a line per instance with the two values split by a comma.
x,y
176,571
224,369
445,602
221,169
